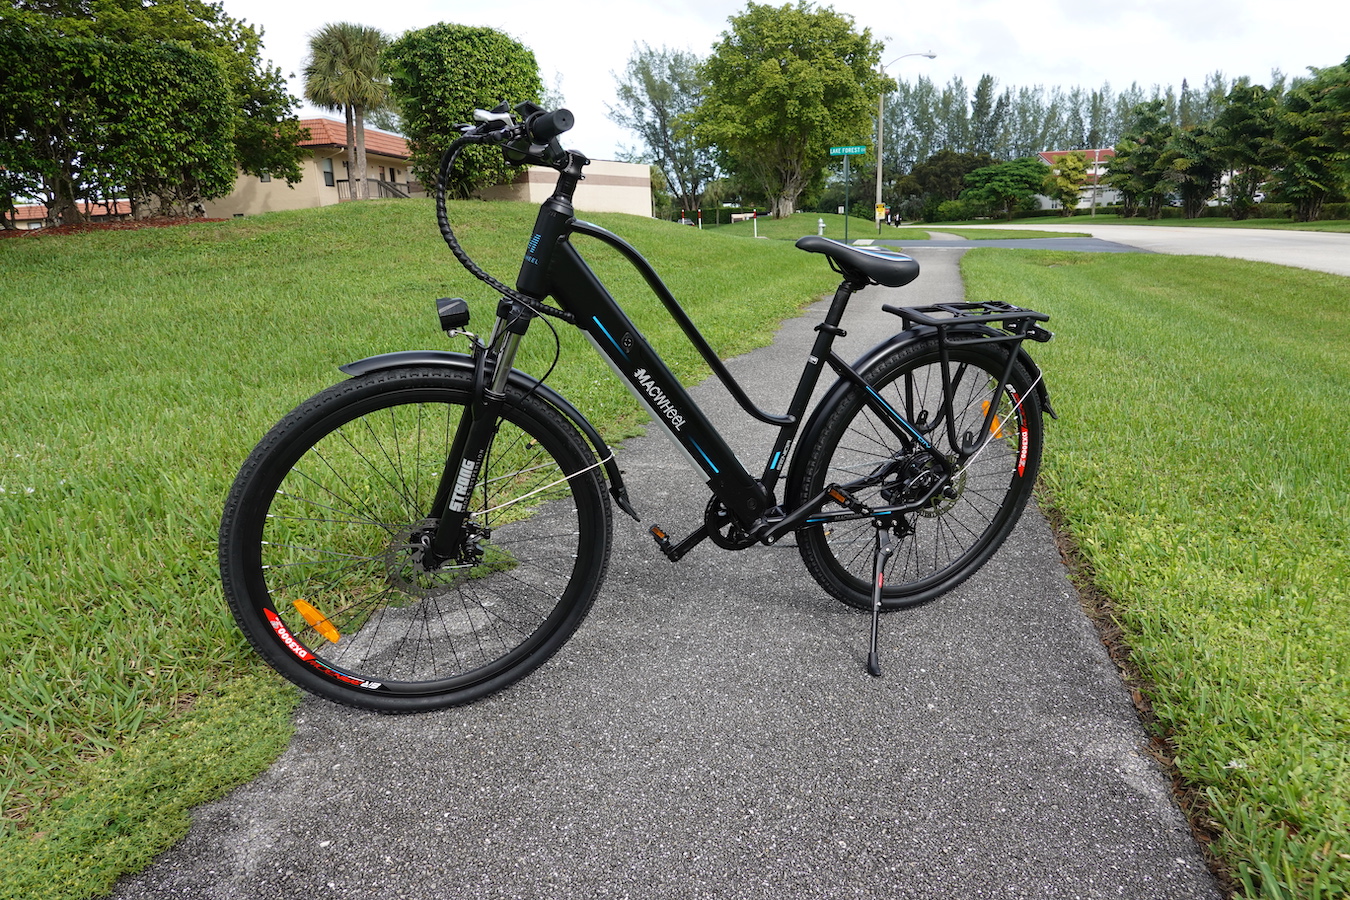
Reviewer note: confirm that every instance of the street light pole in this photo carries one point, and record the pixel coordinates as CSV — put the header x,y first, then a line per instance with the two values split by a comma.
x,y
881,113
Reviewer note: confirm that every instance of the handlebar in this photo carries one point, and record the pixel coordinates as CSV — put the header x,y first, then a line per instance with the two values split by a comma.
x,y
531,141
543,127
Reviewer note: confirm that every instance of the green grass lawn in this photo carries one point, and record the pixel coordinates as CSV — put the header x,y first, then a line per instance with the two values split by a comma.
x,y
1201,463
143,367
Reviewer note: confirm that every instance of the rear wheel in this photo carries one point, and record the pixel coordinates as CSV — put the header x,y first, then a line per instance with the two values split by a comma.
x,y
321,544
958,528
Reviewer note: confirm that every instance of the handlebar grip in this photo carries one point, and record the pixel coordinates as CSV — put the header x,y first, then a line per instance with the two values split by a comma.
x,y
544,127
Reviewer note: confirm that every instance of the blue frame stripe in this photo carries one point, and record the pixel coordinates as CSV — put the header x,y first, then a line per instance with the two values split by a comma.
x,y
923,442
710,463
610,336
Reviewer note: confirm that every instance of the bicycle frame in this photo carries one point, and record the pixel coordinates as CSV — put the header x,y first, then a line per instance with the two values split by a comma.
x,y
553,266
637,365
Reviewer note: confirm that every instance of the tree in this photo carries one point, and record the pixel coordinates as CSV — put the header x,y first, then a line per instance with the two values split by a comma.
x,y
1136,170
1007,185
784,83
1192,167
658,94
94,119
345,70
944,173
439,76
1244,132
265,132
987,115
911,122
1064,183
1310,130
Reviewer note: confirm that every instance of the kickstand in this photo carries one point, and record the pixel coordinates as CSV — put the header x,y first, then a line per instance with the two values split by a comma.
x,y
883,553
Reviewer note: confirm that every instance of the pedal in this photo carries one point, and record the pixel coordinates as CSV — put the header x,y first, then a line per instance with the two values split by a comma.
x,y
662,540
676,552
847,500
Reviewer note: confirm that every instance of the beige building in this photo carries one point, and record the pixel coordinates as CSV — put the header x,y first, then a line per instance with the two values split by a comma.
x,y
608,187
325,179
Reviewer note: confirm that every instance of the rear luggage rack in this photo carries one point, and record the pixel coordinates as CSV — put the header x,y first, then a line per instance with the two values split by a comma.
x,y
1013,321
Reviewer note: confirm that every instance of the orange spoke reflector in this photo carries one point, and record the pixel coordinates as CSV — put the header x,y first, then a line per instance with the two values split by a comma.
x,y
317,620
996,426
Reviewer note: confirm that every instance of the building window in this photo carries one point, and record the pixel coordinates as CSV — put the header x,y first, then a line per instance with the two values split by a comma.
x,y
264,178
327,172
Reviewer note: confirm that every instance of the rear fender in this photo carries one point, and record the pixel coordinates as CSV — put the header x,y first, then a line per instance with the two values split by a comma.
x,y
810,433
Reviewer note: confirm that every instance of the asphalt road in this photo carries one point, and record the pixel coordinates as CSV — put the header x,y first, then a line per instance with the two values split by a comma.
x,y
710,732
1317,250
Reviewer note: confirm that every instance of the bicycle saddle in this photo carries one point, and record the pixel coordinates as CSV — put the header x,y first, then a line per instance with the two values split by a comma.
x,y
874,265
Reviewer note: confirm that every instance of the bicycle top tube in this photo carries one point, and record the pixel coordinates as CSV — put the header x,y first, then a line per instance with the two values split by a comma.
x,y
681,318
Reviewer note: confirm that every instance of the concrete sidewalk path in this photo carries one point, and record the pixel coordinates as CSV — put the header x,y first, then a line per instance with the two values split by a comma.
x,y
710,732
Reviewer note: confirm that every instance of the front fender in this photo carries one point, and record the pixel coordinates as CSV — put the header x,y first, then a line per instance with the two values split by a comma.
x,y
462,362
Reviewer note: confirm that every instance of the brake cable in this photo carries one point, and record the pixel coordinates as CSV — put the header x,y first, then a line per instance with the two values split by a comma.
x,y
447,163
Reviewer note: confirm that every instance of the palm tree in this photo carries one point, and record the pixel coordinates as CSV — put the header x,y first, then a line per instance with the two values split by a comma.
x,y
344,71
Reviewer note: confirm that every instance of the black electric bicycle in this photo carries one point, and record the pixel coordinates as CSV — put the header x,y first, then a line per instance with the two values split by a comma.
x,y
435,527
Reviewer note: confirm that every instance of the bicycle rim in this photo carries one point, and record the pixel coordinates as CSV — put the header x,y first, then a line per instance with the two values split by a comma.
x,y
324,545
947,540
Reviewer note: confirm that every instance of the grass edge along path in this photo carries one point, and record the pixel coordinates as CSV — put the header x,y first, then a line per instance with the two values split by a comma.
x,y
1200,466
152,361
790,228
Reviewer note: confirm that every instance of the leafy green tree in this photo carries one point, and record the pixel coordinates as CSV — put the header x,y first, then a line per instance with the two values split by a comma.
x,y
784,84
1192,167
1098,122
657,96
265,130
345,70
1310,130
953,115
43,119
439,76
988,113
911,122
1244,133
1137,170
166,126
1065,180
94,119
1006,186
944,173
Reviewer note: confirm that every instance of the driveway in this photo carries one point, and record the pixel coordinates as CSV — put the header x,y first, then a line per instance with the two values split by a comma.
x,y
711,732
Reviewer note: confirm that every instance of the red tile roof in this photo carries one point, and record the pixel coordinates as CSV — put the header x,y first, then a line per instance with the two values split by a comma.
x,y
32,211
332,133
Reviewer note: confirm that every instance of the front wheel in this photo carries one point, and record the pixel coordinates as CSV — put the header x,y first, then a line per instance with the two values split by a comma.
x,y
323,537
957,529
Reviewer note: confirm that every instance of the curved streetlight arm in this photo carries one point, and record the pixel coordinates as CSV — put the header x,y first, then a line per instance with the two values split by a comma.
x,y
881,112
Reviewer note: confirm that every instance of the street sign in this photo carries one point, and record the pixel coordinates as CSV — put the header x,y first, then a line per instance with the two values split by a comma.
x,y
847,151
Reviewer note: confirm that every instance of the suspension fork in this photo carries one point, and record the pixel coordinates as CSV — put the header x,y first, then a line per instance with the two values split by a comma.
x,y
449,514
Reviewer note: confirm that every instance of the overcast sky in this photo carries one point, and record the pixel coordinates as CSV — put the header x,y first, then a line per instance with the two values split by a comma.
x,y
580,45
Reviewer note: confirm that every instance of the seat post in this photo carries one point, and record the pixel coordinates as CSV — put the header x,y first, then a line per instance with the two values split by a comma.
x,y
835,315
